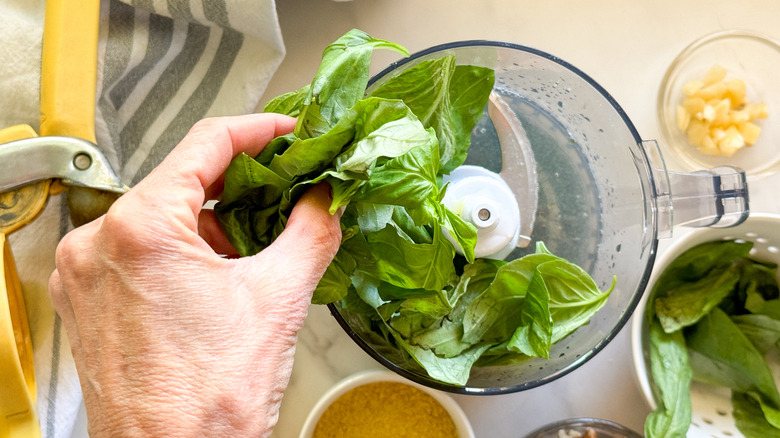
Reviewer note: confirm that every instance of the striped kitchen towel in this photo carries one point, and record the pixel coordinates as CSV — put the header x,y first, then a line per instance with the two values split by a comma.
x,y
163,65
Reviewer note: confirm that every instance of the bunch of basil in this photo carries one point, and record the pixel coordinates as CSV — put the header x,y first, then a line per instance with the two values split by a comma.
x,y
715,314
384,155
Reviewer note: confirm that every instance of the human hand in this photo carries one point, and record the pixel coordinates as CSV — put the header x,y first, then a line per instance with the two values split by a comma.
x,y
169,338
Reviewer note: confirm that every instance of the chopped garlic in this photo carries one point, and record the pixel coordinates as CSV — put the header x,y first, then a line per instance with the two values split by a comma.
x,y
716,116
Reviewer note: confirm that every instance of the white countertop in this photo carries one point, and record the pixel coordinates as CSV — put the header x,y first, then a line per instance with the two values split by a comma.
x,y
625,46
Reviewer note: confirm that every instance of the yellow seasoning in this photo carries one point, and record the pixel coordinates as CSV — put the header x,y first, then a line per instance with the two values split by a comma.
x,y
385,409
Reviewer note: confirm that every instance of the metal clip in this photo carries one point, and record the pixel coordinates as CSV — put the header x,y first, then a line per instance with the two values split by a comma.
x,y
74,161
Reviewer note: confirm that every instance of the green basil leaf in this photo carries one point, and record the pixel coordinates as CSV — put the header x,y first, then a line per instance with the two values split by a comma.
x,y
686,304
340,81
247,212
455,370
411,265
448,98
762,331
574,296
502,301
672,374
697,262
731,359
407,180
749,418
533,337
288,103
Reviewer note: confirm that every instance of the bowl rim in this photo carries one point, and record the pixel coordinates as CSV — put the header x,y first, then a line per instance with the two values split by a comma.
x,y
509,45
584,421
459,417
663,96
651,247
641,371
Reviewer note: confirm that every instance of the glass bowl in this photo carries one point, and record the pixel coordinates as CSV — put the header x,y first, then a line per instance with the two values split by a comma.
x,y
584,428
711,405
745,55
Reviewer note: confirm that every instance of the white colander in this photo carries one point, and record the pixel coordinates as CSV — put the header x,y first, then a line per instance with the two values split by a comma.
x,y
712,410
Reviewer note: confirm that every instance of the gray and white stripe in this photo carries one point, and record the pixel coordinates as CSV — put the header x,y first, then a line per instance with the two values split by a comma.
x,y
166,66
163,65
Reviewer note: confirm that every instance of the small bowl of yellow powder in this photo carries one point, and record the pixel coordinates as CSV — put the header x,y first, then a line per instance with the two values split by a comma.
x,y
383,404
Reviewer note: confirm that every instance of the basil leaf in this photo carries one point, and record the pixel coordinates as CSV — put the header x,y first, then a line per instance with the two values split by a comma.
x,y
502,301
695,297
749,418
533,337
446,97
574,296
672,374
445,337
731,360
762,331
248,210
412,265
410,181
686,304
288,103
697,262
303,157
340,81
455,370
383,128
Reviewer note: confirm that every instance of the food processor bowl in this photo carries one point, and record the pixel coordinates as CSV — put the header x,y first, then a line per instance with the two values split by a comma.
x,y
586,185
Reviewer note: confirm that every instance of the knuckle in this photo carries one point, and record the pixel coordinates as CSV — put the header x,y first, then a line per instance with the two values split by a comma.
x,y
72,253
323,238
331,239
208,130
121,227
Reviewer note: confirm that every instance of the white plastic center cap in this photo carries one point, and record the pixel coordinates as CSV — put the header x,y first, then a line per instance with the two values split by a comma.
x,y
482,198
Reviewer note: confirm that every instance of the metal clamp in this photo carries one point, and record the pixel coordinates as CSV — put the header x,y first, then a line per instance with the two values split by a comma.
x,y
75,161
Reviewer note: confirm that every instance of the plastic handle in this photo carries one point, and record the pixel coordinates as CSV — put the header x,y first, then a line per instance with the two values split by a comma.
x,y
69,68
707,198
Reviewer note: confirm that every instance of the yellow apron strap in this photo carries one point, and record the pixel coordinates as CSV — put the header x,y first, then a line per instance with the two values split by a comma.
x,y
17,405
17,374
69,68
68,78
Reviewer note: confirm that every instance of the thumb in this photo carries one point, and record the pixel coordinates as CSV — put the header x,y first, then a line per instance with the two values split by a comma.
x,y
312,235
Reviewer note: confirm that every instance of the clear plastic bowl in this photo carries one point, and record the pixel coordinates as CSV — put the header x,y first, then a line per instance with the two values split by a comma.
x,y
604,199
592,183
745,55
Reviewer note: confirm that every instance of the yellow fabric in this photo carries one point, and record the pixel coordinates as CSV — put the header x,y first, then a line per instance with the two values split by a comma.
x,y
17,406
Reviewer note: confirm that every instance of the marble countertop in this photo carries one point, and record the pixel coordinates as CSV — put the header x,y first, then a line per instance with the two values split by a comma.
x,y
626,47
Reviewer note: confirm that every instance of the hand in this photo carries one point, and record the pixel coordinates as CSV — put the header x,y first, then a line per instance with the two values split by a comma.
x,y
169,338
